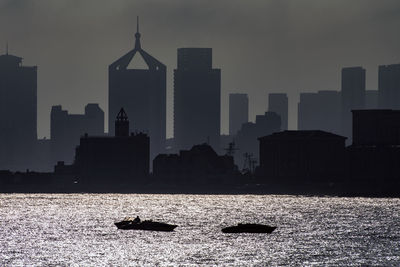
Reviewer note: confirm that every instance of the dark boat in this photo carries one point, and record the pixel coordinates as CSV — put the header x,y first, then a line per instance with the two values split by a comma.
x,y
249,228
132,224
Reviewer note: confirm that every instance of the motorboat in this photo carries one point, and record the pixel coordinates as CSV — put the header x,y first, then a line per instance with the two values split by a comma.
x,y
130,223
249,228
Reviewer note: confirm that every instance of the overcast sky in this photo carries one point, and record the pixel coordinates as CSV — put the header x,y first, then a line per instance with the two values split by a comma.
x,y
261,46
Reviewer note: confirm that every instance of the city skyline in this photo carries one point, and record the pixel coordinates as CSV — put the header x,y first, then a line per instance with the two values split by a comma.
x,y
255,58
229,132
197,106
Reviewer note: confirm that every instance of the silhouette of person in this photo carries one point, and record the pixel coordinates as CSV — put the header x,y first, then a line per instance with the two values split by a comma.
x,y
136,220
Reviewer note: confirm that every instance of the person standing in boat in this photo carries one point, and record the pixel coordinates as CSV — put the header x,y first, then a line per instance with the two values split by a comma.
x,y
136,220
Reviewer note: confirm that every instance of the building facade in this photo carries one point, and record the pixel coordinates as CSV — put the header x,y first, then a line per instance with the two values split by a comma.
x,y
18,113
279,103
374,157
246,138
302,156
371,99
67,129
120,161
389,86
379,127
353,96
200,165
197,99
238,112
320,111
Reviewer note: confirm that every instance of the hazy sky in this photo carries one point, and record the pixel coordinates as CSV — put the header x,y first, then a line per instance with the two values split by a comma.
x,y
262,46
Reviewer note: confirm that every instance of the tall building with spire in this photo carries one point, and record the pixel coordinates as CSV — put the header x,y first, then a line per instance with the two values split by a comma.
x,y
197,99
18,113
142,93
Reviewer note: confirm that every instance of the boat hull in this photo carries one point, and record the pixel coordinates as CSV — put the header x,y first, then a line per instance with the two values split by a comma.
x,y
249,228
146,226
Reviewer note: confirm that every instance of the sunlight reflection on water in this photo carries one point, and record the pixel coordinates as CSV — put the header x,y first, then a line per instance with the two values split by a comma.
x,y
77,229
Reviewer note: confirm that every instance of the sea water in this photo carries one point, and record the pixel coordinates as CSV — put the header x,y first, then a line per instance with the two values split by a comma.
x,y
79,230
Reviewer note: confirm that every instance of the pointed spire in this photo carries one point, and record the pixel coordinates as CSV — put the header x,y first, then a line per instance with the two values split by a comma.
x,y
121,116
122,124
137,34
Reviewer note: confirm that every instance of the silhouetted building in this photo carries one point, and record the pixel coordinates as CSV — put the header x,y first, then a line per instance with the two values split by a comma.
x,y
376,127
238,112
66,130
28,182
295,157
197,97
389,86
319,111
142,92
199,165
44,162
371,99
108,162
18,113
374,157
246,139
278,103
353,95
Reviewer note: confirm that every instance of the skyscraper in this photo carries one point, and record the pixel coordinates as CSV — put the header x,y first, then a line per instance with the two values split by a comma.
x,y
371,99
18,113
353,95
389,86
142,93
238,112
246,138
278,103
197,99
320,111
66,130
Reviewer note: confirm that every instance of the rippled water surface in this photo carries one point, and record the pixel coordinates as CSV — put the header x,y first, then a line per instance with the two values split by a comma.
x,y
78,229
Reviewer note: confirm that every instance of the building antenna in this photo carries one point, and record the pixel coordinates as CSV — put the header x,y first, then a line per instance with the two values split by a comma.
x,y
137,35
7,48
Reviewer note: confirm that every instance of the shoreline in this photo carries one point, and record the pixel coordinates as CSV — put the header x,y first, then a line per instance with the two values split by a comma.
x,y
387,191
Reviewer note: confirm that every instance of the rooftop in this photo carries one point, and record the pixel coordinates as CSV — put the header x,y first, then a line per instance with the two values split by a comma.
x,y
10,60
305,134
126,60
